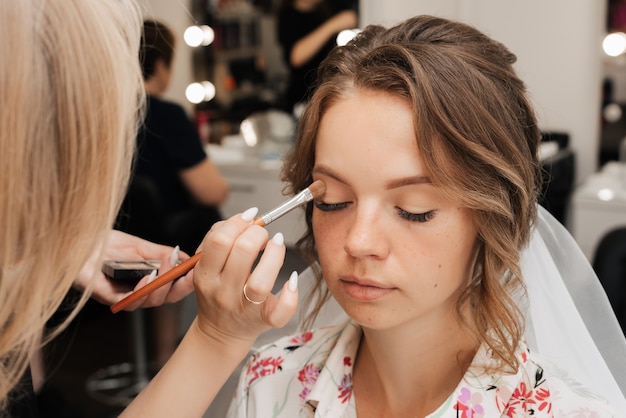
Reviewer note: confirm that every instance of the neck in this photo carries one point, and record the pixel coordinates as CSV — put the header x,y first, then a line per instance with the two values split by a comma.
x,y
153,87
404,372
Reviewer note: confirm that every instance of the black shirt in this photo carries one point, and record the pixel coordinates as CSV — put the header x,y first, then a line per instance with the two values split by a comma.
x,y
168,143
22,400
294,25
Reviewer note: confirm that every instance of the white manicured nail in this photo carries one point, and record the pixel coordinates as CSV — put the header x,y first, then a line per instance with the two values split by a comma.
x,y
174,260
249,214
152,276
293,282
278,239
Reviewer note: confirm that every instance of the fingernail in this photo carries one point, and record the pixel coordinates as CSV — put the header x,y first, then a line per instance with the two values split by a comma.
x,y
152,276
278,239
174,260
293,282
249,214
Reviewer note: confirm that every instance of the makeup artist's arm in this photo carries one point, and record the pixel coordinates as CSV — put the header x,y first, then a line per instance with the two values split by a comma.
x,y
227,325
308,46
122,246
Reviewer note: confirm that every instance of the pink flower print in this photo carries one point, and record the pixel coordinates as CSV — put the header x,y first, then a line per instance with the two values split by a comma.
x,y
263,367
307,376
543,397
469,404
524,357
345,388
347,361
302,338
520,400
299,340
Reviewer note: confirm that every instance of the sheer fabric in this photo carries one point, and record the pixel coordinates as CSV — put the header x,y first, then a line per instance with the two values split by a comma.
x,y
570,320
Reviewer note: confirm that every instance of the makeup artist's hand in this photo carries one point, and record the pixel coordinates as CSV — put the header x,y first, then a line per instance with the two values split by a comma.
x,y
229,252
122,246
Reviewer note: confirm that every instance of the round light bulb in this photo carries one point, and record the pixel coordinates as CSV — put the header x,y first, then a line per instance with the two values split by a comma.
x,y
198,35
346,36
614,44
209,90
200,92
195,93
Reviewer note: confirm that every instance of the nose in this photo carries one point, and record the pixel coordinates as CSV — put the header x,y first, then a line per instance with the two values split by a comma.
x,y
367,236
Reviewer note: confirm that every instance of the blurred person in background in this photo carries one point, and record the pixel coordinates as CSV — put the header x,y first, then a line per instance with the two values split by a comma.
x,y
307,31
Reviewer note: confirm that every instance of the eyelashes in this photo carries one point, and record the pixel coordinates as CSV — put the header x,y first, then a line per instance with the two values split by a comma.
x,y
416,217
409,216
330,207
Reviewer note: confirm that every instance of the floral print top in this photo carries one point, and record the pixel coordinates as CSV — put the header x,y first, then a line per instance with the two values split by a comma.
x,y
310,375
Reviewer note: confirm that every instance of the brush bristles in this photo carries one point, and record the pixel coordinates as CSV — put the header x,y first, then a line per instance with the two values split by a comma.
x,y
317,189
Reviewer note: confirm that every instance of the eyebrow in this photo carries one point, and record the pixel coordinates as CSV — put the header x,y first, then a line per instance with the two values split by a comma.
x,y
392,184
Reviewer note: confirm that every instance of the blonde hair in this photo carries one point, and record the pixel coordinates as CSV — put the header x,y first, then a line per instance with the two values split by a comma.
x,y
478,137
71,93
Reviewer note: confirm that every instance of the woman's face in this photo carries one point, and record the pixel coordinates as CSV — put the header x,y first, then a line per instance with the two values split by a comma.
x,y
393,249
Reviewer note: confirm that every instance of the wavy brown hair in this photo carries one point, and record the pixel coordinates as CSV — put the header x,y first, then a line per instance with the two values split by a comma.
x,y
478,137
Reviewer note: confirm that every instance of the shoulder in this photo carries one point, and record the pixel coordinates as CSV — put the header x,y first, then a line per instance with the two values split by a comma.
x,y
293,353
536,389
157,106
278,378
556,390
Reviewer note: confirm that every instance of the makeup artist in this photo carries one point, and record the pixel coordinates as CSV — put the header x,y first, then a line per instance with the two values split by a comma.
x,y
428,237
68,119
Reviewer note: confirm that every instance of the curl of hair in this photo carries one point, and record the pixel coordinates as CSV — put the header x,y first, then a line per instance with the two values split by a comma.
x,y
478,137
71,96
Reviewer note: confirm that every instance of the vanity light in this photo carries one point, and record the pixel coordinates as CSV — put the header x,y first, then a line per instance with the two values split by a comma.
x,y
614,44
198,35
200,92
346,36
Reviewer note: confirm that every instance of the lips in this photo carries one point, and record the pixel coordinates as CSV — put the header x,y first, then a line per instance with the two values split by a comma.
x,y
364,289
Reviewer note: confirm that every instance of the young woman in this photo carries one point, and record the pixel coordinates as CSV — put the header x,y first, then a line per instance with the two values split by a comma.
x,y
427,144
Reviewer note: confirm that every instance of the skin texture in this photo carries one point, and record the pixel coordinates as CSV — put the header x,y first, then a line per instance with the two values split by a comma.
x,y
399,278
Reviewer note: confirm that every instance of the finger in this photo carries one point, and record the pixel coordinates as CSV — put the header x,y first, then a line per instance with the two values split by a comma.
x,y
167,261
244,254
218,244
155,298
261,281
279,311
180,288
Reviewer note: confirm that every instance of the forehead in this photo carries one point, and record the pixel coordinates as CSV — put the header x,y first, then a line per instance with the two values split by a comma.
x,y
370,128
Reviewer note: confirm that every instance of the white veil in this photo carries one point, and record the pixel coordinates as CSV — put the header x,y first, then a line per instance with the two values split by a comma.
x,y
570,320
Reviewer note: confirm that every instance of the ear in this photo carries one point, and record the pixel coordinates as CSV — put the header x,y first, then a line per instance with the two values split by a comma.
x,y
160,66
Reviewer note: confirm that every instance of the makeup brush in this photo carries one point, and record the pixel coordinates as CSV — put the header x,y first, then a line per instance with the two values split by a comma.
x,y
315,190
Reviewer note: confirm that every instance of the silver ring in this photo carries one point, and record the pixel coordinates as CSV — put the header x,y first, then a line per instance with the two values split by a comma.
x,y
254,302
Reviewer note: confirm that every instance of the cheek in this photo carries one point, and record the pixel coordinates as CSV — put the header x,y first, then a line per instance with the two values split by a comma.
x,y
327,234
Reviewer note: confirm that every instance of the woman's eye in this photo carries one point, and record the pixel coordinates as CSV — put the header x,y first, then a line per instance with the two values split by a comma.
x,y
416,217
329,207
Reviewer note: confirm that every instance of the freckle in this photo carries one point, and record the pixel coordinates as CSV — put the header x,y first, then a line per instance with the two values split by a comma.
x,y
436,284
439,266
